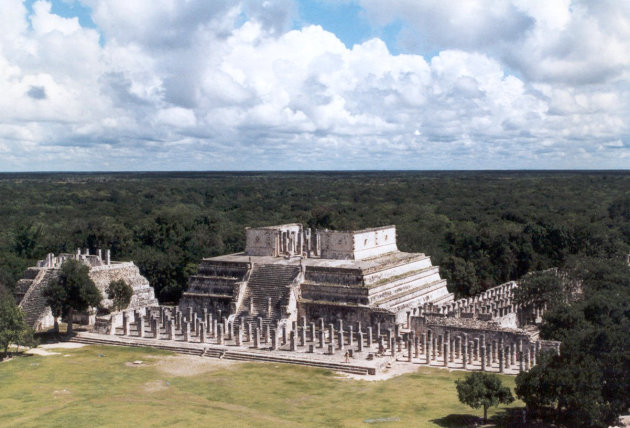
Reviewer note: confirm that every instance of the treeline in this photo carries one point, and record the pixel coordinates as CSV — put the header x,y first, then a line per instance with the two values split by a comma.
x,y
482,228
588,383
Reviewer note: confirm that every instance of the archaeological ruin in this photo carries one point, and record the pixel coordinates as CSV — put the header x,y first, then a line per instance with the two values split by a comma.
x,y
345,300
102,271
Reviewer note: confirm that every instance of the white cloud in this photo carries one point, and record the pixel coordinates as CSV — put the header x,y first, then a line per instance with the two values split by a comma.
x,y
187,85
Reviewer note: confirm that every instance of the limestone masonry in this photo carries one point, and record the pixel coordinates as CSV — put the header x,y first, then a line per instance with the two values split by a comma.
x,y
102,272
344,300
287,271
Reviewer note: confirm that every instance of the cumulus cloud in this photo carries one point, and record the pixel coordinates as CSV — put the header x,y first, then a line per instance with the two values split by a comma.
x,y
164,84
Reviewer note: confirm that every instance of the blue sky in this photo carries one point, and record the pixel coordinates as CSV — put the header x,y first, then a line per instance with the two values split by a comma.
x,y
301,85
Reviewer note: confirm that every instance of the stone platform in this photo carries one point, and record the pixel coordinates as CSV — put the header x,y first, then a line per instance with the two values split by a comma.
x,y
368,348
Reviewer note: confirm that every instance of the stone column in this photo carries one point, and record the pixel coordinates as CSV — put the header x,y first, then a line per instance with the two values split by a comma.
x,y
250,333
256,337
126,323
171,330
292,340
189,314
433,346
219,333
274,339
340,340
427,348
215,329
140,326
350,336
501,356
389,336
303,335
284,335
494,351
186,331
378,330
202,332
340,325
526,359
267,334
321,333
464,341
446,352
360,342
331,349
483,358
331,333
409,351
424,344
239,335
369,336
392,347
416,343
312,332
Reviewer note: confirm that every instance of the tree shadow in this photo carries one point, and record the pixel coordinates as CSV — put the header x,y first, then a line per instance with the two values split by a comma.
x,y
506,418
456,421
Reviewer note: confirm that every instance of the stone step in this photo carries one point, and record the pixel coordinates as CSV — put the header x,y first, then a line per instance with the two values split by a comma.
x,y
409,294
228,354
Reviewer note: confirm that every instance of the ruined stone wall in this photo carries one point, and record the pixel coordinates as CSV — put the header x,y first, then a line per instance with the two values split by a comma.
x,y
357,245
349,314
261,242
331,275
336,245
374,242
143,293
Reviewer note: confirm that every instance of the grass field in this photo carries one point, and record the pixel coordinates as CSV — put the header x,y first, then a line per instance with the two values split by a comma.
x,y
99,386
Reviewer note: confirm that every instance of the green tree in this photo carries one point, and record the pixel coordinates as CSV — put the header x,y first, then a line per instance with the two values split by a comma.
x,y
13,328
120,293
540,289
481,389
72,290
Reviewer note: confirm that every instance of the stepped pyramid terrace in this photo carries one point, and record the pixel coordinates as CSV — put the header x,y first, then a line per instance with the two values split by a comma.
x,y
349,301
103,270
287,272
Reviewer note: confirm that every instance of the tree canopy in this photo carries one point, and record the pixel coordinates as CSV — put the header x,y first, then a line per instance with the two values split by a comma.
x,y
480,389
120,293
73,290
588,383
13,328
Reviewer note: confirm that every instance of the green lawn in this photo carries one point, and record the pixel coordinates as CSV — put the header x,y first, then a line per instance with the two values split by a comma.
x,y
96,386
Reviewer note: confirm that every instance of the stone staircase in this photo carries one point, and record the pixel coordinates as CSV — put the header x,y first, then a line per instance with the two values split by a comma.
x,y
268,282
33,303
223,352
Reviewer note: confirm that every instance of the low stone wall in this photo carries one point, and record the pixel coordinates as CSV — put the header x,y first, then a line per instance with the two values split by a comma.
x,y
349,314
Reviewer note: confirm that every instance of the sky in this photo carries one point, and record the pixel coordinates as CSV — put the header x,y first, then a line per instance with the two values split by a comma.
x,y
126,85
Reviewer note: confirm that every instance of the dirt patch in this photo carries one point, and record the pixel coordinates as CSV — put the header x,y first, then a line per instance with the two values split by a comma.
x,y
61,392
396,369
62,345
156,386
136,363
188,365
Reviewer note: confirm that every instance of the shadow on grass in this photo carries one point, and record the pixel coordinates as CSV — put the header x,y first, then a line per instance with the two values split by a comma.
x,y
512,417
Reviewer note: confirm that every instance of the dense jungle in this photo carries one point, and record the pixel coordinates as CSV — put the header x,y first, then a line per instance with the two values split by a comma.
x,y
482,228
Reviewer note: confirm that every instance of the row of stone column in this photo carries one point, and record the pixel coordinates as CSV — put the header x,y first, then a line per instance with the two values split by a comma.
x,y
467,350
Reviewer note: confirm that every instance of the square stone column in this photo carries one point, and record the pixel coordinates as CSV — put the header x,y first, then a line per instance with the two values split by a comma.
x,y
220,333
202,332
140,326
186,331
